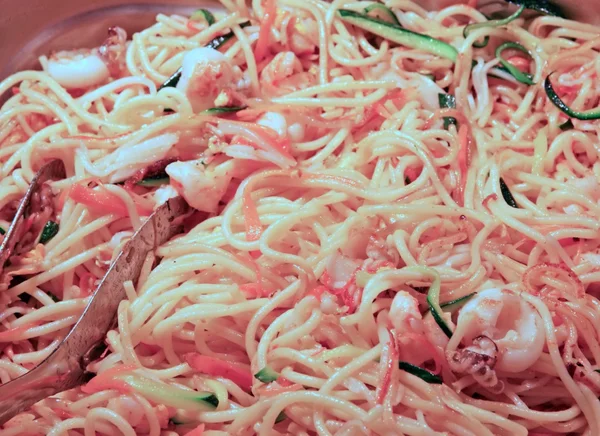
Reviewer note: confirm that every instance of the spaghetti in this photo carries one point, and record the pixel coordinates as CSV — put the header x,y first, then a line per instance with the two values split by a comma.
x,y
403,234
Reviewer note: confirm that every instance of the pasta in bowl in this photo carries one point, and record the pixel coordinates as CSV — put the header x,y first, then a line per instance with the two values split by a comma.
x,y
402,234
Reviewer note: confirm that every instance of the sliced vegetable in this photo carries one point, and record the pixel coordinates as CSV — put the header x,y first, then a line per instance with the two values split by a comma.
x,y
220,368
151,182
521,76
281,417
454,305
54,297
447,101
2,231
215,43
423,374
508,197
383,13
50,230
543,6
176,420
251,218
203,15
267,375
492,24
268,20
433,300
101,201
399,35
591,114
567,125
123,379
223,110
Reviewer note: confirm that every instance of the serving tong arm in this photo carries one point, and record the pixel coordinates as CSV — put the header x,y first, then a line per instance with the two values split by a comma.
x,y
53,170
65,368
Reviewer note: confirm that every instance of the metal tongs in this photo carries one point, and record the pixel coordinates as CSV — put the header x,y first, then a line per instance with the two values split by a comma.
x,y
66,367
53,170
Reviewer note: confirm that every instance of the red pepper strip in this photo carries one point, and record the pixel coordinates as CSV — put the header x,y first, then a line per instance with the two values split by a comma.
x,y
101,201
108,380
220,368
390,358
262,44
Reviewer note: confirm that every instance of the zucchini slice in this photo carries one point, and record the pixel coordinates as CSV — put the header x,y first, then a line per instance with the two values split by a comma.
x,y
399,35
383,13
492,23
423,374
203,14
591,114
267,375
521,76
508,197
50,230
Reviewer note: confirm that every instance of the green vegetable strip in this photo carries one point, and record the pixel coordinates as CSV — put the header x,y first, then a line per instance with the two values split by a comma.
x,y
2,231
223,110
543,6
592,114
508,197
214,44
567,125
433,295
447,101
50,230
521,76
399,35
162,393
385,11
266,375
492,24
451,306
151,182
54,297
203,14
423,374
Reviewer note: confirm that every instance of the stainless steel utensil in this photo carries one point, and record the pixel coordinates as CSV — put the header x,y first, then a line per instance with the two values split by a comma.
x,y
66,366
53,170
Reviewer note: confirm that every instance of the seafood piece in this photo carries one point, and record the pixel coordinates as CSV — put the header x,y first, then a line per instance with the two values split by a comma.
x,y
77,69
200,187
85,68
205,73
509,321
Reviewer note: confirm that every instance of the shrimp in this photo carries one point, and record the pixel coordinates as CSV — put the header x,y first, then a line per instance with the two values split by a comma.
x,y
510,322
404,313
415,333
113,50
205,73
302,36
75,69
279,124
284,74
200,187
